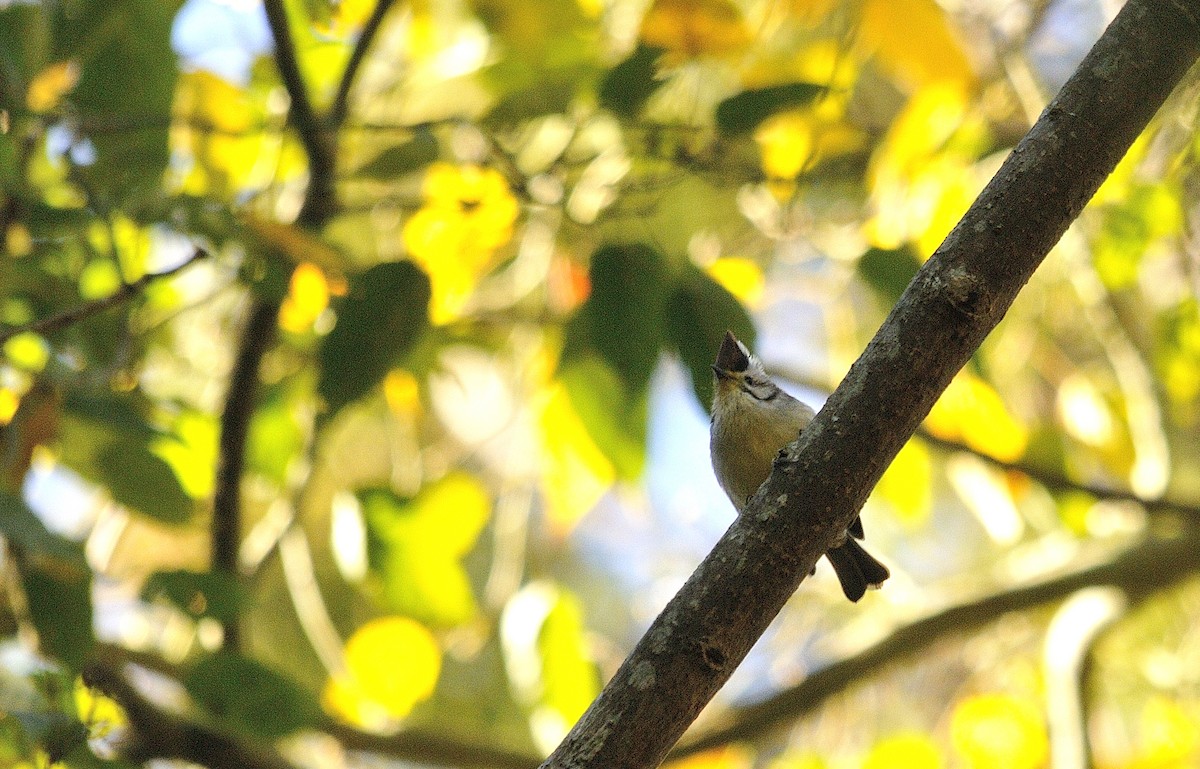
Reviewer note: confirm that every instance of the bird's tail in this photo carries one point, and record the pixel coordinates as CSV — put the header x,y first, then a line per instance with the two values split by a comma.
x,y
856,569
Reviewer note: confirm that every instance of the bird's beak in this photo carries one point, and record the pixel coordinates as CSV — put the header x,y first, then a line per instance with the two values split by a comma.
x,y
721,373
732,355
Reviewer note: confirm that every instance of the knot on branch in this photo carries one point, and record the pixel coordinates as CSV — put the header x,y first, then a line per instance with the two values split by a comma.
x,y
966,292
712,654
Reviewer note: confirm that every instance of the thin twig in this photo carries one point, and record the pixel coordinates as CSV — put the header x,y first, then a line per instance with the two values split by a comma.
x,y
341,101
319,202
1139,571
123,294
158,733
412,745
1047,478
1144,568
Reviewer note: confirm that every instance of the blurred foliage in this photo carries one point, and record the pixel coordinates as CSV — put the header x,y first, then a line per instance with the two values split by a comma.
x,y
547,214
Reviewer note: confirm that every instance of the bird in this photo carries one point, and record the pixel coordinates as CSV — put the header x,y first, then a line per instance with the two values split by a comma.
x,y
752,419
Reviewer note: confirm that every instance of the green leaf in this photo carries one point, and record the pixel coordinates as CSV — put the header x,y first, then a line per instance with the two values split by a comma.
x,y
1129,228
129,71
888,271
143,481
627,86
199,594
57,733
569,677
45,221
24,45
394,162
622,319
744,112
612,346
415,547
249,697
21,527
614,417
544,98
60,603
699,313
124,415
91,424
277,431
381,319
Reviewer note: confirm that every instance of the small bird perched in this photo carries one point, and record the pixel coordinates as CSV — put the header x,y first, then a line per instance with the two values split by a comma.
x,y
752,419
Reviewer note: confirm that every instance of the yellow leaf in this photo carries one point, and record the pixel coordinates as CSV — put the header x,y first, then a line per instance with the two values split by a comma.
x,y
568,671
905,485
546,655
920,186
392,664
786,141
727,757
688,29
915,42
402,392
1115,187
27,351
452,511
998,731
741,277
191,452
1167,733
47,87
347,17
575,473
9,401
215,126
904,751
307,298
101,714
18,240
99,278
970,411
794,140
468,214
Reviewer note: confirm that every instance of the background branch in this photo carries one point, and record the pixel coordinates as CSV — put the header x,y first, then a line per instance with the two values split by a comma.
x,y
123,294
262,318
409,745
319,202
1139,571
341,101
821,481
236,415
1047,478
158,733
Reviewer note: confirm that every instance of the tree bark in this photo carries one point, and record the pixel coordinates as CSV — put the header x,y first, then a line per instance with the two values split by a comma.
x,y
821,481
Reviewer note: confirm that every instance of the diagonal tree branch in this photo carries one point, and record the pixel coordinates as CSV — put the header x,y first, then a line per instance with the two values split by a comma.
x,y
123,294
820,482
1140,570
